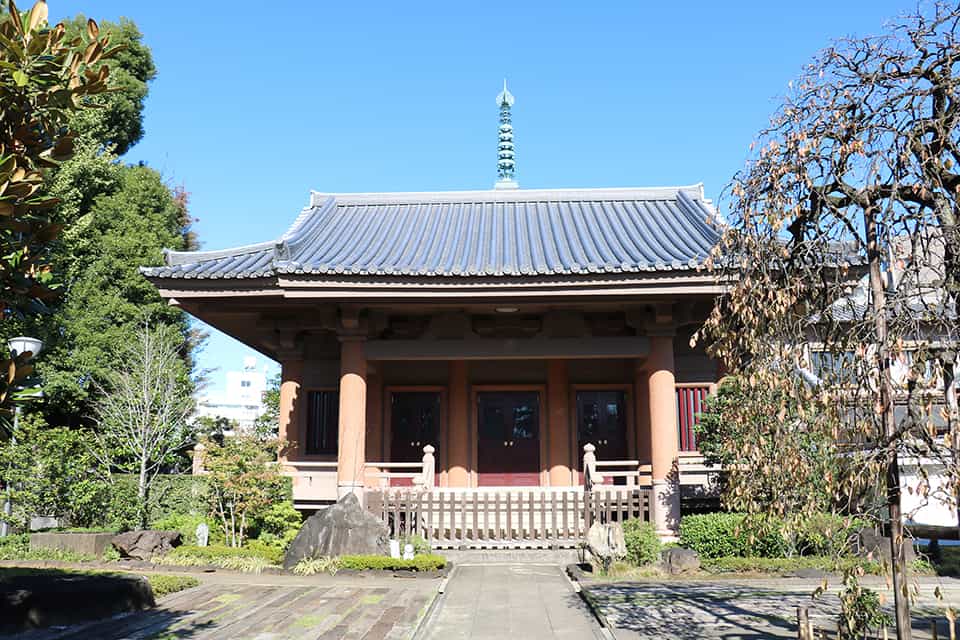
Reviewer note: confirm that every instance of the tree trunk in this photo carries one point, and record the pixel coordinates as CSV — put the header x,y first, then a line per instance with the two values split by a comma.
x,y
898,564
142,494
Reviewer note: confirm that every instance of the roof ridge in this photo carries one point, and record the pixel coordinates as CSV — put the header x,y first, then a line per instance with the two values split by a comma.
x,y
511,195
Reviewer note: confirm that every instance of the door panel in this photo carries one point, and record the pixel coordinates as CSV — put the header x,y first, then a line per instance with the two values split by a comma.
x,y
414,423
602,421
508,438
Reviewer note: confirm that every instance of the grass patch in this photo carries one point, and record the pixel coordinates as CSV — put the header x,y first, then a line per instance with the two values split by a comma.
x,y
373,598
163,584
313,566
240,559
309,620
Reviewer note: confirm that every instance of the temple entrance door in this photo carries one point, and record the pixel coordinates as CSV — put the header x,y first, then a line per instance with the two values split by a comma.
x,y
508,438
602,421
414,423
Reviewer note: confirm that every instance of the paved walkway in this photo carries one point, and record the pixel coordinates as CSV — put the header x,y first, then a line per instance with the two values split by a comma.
x,y
245,607
511,602
740,609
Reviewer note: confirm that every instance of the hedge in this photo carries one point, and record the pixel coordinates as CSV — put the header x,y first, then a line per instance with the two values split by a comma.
x,y
425,562
717,535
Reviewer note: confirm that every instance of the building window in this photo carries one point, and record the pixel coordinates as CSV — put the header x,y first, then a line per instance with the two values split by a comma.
x,y
323,417
244,383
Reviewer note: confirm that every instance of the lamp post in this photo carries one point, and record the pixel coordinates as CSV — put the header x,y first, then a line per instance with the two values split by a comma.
x,y
17,346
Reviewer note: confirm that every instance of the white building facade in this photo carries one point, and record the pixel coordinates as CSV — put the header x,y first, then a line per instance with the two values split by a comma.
x,y
241,402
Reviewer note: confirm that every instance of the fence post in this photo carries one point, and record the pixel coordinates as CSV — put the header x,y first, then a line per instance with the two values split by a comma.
x,y
429,467
590,476
803,624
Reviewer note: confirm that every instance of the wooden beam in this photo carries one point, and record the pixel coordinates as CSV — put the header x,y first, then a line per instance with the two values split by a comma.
x,y
507,349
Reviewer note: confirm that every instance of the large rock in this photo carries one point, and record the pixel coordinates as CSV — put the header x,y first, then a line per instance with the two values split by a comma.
x,y
341,529
877,547
606,542
145,544
680,560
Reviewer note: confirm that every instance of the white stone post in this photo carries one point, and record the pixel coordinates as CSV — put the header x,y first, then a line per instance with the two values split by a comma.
x,y
429,467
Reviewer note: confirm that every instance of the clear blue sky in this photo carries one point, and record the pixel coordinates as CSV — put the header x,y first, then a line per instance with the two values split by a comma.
x,y
257,103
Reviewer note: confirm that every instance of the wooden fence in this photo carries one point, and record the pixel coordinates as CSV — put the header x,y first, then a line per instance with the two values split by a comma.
x,y
540,518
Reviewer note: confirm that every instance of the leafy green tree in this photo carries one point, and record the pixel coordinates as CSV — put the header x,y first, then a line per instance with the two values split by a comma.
x,y
244,482
45,76
267,425
51,473
116,217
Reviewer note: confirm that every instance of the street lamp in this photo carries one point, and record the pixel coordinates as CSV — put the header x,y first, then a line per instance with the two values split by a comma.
x,y
17,346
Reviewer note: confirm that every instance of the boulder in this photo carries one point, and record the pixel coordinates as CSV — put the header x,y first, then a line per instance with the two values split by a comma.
x,y
145,544
344,528
606,543
680,560
877,547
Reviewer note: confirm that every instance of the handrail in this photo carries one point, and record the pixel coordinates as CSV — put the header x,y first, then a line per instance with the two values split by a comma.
x,y
325,464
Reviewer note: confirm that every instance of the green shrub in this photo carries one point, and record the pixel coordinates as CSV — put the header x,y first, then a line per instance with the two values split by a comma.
x,y
280,519
187,524
236,558
110,554
272,550
643,543
427,562
170,494
825,534
165,584
717,535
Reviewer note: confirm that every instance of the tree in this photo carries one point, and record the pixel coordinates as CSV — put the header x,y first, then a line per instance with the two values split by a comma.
x,y
267,424
51,473
143,410
244,481
842,260
115,217
45,77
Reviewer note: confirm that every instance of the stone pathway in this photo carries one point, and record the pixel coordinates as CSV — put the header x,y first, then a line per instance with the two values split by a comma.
x,y
511,602
736,609
271,608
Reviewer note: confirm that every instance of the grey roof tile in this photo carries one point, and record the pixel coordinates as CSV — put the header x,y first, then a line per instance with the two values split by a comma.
x,y
480,233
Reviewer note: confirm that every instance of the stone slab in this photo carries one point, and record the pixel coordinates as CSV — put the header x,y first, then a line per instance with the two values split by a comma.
x,y
91,544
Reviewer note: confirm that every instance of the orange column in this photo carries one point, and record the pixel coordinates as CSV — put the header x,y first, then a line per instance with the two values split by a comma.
x,y
664,444
558,425
353,417
458,430
291,377
374,445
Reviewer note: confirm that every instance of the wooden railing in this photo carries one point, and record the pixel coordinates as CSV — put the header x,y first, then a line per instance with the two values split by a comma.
x,y
418,474
504,518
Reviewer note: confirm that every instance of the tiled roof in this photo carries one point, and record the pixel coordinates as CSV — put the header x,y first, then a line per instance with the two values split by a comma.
x,y
475,234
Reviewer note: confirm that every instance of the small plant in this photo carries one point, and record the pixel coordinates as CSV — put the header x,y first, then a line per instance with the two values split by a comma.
x,y
313,566
110,554
643,543
420,544
860,610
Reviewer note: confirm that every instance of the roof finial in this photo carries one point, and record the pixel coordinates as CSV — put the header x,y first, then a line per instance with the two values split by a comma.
x,y
506,164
